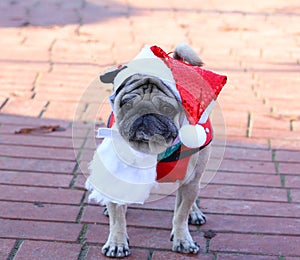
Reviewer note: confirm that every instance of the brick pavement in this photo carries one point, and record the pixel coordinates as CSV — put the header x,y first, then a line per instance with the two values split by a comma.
x,y
50,50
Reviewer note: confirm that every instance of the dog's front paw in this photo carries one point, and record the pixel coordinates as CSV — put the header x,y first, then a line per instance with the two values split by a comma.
x,y
185,246
115,250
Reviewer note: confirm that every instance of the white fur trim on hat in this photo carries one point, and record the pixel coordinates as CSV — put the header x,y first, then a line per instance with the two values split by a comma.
x,y
146,63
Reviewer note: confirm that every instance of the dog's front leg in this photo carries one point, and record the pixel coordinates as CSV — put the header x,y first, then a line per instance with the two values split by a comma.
x,y
117,242
182,240
185,208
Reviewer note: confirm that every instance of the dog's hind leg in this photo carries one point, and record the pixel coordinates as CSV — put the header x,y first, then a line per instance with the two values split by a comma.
x,y
117,243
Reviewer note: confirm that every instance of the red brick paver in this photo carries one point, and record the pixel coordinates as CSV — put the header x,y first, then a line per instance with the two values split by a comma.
x,y
52,50
47,250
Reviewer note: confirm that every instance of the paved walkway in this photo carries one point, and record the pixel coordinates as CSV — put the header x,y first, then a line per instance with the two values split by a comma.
x,y
50,50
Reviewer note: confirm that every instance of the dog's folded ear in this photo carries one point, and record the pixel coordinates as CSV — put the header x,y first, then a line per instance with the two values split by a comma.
x,y
109,75
185,53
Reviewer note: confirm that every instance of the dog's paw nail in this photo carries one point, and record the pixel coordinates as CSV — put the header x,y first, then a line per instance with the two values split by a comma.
x,y
172,238
105,212
104,250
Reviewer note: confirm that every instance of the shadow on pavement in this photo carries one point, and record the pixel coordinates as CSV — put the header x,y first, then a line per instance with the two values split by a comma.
x,y
18,13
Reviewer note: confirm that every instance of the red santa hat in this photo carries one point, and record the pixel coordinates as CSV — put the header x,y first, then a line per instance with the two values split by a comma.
x,y
197,87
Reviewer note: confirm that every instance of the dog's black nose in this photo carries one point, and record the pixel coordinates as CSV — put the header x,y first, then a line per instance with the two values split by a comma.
x,y
147,126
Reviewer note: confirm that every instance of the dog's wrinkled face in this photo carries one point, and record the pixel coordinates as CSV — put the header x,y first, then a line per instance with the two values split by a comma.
x,y
147,114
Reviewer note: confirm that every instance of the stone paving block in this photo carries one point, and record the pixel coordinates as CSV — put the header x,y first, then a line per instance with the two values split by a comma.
x,y
40,230
34,130
40,141
151,219
292,181
296,125
26,107
247,154
275,134
256,244
44,14
285,144
244,193
269,122
231,120
55,95
72,81
289,168
247,179
295,195
236,132
161,255
36,165
248,166
287,156
87,153
167,203
24,53
40,194
97,234
254,225
61,110
61,154
245,257
80,182
38,211
73,72
12,19
18,120
66,51
6,246
158,239
94,252
47,250
246,142
257,208
35,179
3,100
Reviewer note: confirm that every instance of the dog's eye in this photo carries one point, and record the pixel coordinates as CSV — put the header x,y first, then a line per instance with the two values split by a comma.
x,y
165,109
126,101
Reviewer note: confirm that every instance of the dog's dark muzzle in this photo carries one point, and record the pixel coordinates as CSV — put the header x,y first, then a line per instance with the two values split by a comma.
x,y
149,127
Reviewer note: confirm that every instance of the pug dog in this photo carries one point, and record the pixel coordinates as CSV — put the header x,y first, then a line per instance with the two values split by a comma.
x,y
148,115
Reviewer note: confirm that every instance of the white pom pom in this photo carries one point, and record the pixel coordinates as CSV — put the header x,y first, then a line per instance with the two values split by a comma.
x,y
192,136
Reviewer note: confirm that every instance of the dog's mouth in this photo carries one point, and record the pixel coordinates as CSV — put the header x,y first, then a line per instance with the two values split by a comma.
x,y
152,133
